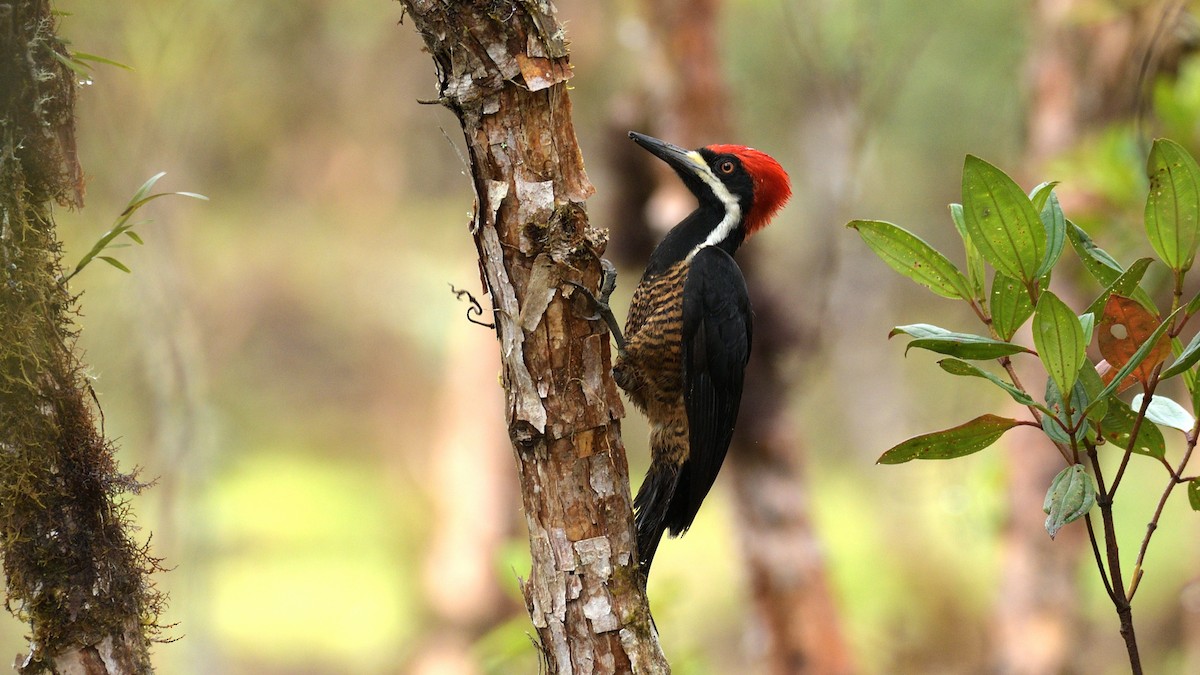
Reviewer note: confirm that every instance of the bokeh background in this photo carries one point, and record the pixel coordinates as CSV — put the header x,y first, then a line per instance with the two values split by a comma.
x,y
335,491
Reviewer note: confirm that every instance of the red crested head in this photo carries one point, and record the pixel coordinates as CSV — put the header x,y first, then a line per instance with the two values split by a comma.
x,y
771,187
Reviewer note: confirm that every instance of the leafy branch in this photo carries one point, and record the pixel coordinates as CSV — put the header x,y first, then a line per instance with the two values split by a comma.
x,y
1021,237
124,226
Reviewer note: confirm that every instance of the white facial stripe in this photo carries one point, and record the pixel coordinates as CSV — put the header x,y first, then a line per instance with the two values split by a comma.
x,y
733,210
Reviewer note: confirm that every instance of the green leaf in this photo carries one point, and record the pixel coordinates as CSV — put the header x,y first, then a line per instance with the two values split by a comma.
x,y
1002,221
1092,385
115,263
1165,412
909,255
80,69
958,441
975,271
1117,428
1126,284
84,56
1173,204
1071,495
1088,322
961,345
1011,306
1101,265
1193,305
962,368
1056,233
135,237
1185,360
1194,493
1071,416
1039,194
1059,339
1138,356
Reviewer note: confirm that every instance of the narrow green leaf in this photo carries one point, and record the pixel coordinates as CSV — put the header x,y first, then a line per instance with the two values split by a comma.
x,y
135,237
1185,360
80,69
1165,412
975,272
1194,493
1056,233
1011,306
1002,221
909,255
1193,305
1092,385
962,368
1101,265
958,441
1071,495
1138,356
115,263
1059,339
84,56
1117,428
1173,204
1088,321
961,345
1126,284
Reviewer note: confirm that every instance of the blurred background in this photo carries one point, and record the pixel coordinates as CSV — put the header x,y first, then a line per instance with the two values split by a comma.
x,y
335,489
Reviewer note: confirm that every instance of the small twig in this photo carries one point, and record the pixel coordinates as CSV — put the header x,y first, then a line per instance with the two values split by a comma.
x,y
1087,519
474,310
1162,502
1137,428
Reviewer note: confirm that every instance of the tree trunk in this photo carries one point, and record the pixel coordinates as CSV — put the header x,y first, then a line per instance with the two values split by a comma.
x,y
502,69
71,568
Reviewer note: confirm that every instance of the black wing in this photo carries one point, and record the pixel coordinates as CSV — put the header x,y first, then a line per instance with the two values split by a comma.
x,y
717,327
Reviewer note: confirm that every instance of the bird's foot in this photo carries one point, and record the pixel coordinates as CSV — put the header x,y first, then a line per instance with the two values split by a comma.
x,y
608,283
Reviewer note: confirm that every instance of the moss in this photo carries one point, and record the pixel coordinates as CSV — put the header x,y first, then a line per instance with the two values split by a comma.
x,y
71,569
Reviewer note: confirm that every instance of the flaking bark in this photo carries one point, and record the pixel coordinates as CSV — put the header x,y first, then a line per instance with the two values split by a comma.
x,y
502,69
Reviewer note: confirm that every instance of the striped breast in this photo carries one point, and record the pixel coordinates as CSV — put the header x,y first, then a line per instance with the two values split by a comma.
x,y
651,371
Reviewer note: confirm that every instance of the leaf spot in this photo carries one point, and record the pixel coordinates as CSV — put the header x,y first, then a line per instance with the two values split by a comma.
x,y
1118,331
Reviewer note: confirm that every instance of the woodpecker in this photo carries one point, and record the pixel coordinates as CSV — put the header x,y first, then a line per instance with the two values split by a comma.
x,y
686,342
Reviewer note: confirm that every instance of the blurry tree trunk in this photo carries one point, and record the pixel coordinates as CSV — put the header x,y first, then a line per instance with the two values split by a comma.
x,y
792,600
502,69
473,491
71,568
1083,73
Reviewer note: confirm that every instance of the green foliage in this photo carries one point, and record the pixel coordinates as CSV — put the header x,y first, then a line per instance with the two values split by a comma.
x,y
1021,238
1002,222
1173,206
964,439
962,345
124,226
1071,495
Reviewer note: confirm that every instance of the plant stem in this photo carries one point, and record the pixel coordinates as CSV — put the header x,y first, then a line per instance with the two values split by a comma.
x,y
1120,600
1162,502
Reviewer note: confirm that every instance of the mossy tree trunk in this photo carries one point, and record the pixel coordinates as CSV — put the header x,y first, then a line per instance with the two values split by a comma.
x,y
502,69
71,569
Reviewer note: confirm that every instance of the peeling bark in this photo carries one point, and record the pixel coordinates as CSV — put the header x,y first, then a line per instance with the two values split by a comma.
x,y
502,69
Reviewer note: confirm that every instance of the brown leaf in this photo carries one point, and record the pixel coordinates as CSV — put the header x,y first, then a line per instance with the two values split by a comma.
x,y
1125,326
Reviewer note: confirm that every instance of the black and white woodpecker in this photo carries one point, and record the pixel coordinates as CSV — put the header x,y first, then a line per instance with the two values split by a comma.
x,y
683,355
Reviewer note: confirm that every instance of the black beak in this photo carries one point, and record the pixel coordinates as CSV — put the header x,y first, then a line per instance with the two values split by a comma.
x,y
676,157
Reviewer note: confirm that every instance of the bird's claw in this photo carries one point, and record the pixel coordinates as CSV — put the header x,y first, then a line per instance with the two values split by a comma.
x,y
608,283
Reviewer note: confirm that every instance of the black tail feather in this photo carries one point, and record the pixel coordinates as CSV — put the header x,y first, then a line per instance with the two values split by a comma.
x,y
652,508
